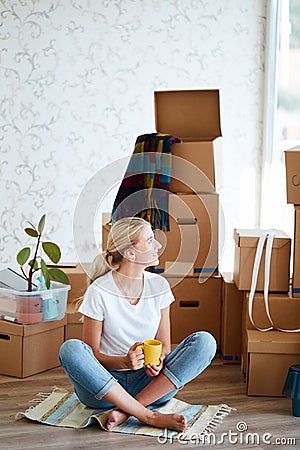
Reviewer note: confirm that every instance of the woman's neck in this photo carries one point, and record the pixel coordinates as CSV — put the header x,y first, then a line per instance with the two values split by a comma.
x,y
133,271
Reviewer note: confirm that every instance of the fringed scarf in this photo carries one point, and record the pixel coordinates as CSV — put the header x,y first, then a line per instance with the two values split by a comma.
x,y
144,191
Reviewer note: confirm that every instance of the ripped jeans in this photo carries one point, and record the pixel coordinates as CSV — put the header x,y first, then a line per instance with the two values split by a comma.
x,y
92,381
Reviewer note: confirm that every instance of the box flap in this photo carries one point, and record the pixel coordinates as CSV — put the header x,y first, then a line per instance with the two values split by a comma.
x,y
188,114
249,238
273,342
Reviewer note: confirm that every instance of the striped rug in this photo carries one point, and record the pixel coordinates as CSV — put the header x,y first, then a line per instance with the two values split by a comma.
x,y
63,409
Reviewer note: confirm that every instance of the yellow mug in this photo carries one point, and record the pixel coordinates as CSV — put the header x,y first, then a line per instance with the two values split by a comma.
x,y
152,351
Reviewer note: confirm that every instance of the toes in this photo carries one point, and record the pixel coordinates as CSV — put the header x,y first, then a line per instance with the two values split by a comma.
x,y
109,425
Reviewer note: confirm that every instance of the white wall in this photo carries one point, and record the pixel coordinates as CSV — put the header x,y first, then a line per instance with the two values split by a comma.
x,y
77,82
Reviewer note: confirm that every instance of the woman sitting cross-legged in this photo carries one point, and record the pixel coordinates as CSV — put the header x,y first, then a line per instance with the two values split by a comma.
x,y
124,306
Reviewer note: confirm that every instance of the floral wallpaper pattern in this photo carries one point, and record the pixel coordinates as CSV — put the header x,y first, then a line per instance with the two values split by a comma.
x,y
77,80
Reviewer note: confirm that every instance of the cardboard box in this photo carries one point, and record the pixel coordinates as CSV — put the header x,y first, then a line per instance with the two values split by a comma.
x,y
194,116
197,307
193,235
292,165
29,349
196,167
296,255
78,278
270,355
74,325
231,321
245,250
284,311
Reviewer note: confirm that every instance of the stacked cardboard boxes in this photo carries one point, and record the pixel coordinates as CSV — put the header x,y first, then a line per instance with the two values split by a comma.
x,y
285,313
267,355
233,293
190,247
194,116
266,351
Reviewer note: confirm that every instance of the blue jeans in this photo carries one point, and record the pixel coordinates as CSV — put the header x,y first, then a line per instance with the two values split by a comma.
x,y
92,381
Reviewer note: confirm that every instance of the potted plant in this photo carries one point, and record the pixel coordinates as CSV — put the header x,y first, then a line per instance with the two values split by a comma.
x,y
37,262
47,302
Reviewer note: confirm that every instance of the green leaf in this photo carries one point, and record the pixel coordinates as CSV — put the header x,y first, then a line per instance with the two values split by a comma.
x,y
52,251
35,265
45,273
31,232
58,275
31,224
23,256
41,223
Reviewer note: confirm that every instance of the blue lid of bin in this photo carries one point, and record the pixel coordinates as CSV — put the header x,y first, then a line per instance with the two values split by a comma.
x,y
292,384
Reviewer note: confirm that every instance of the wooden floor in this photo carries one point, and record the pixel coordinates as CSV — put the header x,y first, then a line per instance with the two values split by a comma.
x,y
218,384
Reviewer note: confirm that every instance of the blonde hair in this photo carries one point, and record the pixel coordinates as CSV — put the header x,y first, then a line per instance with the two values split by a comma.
x,y
123,234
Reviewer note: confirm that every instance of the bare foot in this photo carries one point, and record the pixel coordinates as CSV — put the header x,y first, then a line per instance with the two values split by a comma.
x,y
115,417
170,421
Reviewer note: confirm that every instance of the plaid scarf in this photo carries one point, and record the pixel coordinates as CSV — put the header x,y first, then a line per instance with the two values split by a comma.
x,y
144,191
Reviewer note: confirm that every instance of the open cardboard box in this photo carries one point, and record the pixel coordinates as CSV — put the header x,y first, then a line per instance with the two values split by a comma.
x,y
292,165
296,255
231,320
270,355
29,349
197,307
193,116
246,242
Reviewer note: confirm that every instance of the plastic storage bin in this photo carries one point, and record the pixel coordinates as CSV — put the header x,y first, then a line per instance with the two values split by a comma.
x,y
36,306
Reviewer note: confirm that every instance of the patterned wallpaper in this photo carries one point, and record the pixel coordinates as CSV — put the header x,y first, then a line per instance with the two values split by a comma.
x,y
77,80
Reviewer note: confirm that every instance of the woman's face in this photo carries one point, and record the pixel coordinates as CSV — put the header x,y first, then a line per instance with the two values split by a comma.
x,y
146,249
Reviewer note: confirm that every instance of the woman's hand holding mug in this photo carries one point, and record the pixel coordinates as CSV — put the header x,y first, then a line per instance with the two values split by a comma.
x,y
135,356
153,370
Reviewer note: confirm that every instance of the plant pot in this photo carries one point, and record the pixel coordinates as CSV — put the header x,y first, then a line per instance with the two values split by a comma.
x,y
28,304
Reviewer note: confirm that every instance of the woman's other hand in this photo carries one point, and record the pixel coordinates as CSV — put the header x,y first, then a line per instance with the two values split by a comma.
x,y
153,370
135,357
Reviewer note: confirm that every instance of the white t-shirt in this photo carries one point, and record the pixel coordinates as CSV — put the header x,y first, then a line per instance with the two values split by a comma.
x,y
123,323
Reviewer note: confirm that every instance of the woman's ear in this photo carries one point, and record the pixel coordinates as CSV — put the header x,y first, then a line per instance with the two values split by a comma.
x,y
130,254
